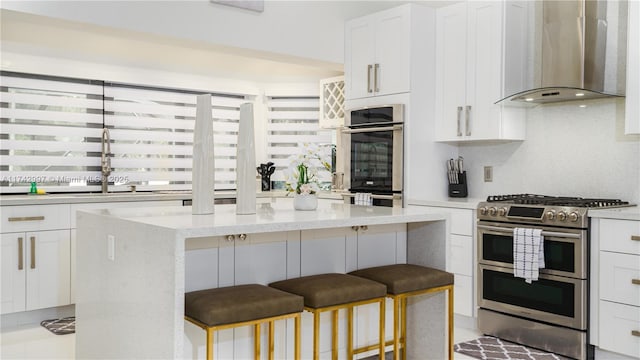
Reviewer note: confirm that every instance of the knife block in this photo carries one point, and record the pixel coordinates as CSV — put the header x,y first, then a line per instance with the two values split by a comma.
x,y
460,189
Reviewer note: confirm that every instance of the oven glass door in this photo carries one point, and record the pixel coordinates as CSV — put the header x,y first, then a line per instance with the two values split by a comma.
x,y
372,161
554,299
563,253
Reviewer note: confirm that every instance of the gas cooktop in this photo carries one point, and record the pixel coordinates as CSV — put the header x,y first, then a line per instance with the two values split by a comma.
x,y
543,209
532,199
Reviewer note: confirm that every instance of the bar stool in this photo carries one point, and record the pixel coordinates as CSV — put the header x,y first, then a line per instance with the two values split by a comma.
x,y
403,281
243,305
332,292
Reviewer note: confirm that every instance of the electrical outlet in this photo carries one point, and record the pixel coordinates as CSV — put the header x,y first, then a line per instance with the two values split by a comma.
x,y
488,173
111,247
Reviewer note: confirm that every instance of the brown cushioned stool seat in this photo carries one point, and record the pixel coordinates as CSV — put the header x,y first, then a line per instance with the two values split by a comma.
x,y
332,292
406,280
242,305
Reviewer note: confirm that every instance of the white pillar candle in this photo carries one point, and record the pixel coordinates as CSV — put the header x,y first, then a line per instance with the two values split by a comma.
x,y
203,171
246,163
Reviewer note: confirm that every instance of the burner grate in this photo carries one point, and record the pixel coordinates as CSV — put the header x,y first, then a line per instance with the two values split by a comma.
x,y
532,199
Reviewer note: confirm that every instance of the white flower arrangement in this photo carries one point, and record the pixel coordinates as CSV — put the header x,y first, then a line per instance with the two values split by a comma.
x,y
302,173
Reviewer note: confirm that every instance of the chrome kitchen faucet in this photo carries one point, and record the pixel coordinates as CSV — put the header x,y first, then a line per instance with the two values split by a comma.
x,y
105,160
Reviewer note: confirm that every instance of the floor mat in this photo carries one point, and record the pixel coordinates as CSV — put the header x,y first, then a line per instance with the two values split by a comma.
x,y
489,348
60,326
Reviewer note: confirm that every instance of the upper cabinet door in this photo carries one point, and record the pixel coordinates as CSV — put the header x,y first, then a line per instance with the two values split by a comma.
x,y
377,54
632,108
451,53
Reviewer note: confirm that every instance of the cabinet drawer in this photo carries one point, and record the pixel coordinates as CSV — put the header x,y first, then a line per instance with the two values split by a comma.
x,y
617,326
34,218
620,278
461,221
461,255
620,235
463,295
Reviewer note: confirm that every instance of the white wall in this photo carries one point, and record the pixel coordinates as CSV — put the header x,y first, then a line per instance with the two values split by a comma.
x,y
569,150
305,29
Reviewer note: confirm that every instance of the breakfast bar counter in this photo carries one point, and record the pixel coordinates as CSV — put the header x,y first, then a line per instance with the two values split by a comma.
x,y
134,266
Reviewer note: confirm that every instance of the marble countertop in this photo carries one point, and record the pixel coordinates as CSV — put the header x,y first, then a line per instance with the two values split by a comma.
x,y
277,215
623,213
459,203
79,198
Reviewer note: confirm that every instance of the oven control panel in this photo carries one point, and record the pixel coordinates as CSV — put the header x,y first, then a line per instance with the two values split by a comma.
x,y
535,214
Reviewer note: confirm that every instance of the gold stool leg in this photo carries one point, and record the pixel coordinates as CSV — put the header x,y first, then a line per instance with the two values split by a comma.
x,y
271,346
396,327
296,341
450,322
256,341
209,344
382,320
316,335
334,335
350,333
403,326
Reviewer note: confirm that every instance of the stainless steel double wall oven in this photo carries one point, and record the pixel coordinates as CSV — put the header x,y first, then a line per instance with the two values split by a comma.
x,y
374,152
552,312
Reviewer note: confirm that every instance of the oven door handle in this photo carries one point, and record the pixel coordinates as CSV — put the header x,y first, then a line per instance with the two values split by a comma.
x,y
544,233
372,129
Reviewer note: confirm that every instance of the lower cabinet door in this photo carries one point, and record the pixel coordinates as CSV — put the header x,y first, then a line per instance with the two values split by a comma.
x,y
619,327
463,295
48,269
13,273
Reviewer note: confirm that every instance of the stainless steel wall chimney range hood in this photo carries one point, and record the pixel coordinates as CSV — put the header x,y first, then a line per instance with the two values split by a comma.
x,y
580,49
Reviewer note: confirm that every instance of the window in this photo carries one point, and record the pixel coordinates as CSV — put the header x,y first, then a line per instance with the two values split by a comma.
x,y
50,131
290,121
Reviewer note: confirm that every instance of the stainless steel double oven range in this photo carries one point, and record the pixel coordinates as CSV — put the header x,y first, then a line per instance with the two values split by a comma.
x,y
552,312
373,153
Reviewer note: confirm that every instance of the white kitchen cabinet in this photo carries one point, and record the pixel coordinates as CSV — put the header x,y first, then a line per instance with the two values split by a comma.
x,y
632,100
618,285
331,103
36,254
36,269
382,49
481,54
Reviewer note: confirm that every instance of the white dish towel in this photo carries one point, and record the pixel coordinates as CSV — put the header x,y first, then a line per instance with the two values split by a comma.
x,y
528,253
363,199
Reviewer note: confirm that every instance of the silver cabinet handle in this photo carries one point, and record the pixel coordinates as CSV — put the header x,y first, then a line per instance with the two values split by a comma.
x,y
33,252
26,218
376,68
20,253
635,237
369,89
467,120
242,237
635,281
459,132
364,227
635,332
230,238
354,228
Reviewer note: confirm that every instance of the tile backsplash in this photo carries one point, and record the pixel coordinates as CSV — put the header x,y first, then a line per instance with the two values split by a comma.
x,y
569,150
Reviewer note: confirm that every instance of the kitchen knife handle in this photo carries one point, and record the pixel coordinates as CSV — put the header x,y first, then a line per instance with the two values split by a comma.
x,y
369,89
635,281
459,132
20,253
33,252
376,69
467,119
635,332
635,237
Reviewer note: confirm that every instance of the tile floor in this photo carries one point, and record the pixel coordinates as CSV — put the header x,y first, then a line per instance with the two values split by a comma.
x,y
35,342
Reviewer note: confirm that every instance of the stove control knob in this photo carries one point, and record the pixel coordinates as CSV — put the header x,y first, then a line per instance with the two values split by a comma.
x,y
573,217
502,211
551,214
492,211
562,216
483,210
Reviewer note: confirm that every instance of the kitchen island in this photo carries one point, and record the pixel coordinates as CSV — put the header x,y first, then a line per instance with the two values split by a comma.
x,y
134,266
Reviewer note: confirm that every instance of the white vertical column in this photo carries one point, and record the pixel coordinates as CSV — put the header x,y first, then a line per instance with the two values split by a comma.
x,y
203,172
246,163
